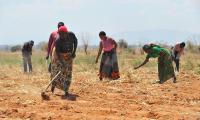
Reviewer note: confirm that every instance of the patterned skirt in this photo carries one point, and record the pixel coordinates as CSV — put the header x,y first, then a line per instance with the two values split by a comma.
x,y
109,66
63,80
165,68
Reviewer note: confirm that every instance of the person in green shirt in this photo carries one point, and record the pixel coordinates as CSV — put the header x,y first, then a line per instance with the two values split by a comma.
x,y
165,67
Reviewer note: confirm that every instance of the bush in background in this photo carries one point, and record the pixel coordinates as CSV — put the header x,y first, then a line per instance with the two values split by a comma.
x,y
42,46
122,43
15,48
192,47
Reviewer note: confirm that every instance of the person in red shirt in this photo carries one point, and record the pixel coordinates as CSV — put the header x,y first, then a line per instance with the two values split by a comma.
x,y
53,37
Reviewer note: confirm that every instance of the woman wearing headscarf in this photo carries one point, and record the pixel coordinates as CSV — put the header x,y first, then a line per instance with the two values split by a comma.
x,y
62,60
165,67
109,63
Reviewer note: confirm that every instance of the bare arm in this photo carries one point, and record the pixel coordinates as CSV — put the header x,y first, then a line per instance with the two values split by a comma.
x,y
49,45
115,44
23,49
145,61
75,46
31,48
99,52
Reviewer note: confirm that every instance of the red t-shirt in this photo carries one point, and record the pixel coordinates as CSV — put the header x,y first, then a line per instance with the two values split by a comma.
x,y
53,37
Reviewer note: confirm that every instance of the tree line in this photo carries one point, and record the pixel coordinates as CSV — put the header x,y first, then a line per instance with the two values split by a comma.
x,y
122,44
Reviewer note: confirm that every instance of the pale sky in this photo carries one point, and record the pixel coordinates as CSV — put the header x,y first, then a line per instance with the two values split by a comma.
x,y
23,20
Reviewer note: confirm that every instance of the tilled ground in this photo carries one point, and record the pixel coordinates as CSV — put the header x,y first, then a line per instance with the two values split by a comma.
x,y
135,96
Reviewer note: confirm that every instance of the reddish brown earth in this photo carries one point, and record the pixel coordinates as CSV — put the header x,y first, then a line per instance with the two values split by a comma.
x,y
134,97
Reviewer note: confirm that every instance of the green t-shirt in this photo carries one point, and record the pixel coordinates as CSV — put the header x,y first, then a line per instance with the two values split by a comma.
x,y
155,52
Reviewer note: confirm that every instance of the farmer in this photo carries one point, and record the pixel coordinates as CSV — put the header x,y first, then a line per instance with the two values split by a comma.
x,y
177,51
109,64
54,35
26,54
63,54
165,67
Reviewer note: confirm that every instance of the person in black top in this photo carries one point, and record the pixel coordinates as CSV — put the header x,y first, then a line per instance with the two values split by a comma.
x,y
65,50
67,43
26,53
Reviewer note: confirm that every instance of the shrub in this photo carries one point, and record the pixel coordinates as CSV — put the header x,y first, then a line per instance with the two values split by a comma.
x,y
42,46
192,47
15,48
122,43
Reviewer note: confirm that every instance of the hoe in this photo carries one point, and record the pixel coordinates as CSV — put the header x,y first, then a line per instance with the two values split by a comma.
x,y
43,95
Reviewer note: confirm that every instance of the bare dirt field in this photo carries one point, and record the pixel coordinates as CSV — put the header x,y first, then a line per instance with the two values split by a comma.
x,y
135,96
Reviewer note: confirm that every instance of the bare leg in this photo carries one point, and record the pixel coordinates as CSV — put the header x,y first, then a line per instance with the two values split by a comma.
x,y
174,79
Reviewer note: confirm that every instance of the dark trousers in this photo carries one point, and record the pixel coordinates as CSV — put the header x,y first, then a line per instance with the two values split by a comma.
x,y
177,64
27,63
176,60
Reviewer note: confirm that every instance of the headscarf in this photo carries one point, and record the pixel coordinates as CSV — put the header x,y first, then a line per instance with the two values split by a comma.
x,y
62,29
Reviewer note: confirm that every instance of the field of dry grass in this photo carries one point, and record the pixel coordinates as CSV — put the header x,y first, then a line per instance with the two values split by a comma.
x,y
135,96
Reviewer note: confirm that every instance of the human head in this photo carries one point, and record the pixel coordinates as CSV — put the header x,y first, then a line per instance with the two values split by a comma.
x,y
146,48
60,24
182,45
102,35
31,42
